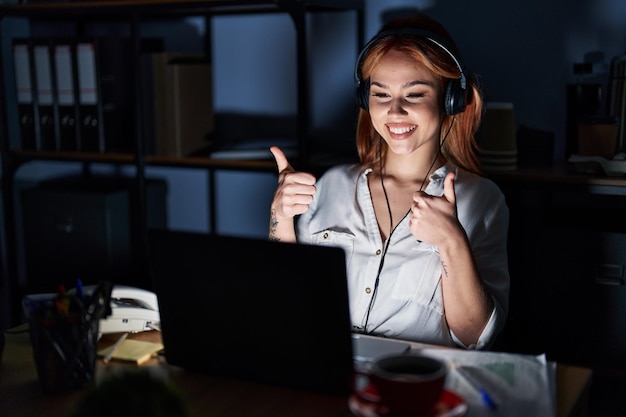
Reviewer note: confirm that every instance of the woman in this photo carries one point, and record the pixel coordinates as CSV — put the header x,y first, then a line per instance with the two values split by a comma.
x,y
425,235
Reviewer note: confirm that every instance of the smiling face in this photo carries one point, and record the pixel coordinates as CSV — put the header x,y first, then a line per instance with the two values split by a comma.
x,y
404,104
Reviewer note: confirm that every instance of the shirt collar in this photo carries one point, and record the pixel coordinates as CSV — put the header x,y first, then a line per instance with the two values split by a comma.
x,y
435,185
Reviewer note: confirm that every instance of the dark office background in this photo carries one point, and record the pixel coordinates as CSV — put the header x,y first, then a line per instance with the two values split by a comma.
x,y
523,52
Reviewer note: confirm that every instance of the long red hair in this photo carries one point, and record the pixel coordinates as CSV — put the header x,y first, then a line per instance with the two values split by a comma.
x,y
459,146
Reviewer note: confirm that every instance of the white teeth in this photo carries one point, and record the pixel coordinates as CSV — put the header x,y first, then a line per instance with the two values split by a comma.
x,y
399,131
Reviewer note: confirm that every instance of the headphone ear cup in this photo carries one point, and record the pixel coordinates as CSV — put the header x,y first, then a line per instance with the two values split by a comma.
x,y
454,100
363,95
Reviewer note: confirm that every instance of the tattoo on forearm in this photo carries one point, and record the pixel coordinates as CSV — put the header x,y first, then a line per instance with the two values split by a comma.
x,y
444,267
273,224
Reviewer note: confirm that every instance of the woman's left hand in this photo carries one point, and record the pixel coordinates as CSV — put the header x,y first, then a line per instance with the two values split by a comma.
x,y
434,219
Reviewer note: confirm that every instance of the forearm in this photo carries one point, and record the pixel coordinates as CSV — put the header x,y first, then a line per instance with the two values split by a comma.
x,y
467,303
281,229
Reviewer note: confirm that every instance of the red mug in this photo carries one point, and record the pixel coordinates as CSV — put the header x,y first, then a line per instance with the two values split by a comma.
x,y
407,385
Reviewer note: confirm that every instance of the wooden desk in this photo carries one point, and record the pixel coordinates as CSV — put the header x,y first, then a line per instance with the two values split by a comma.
x,y
21,395
561,175
558,173
566,243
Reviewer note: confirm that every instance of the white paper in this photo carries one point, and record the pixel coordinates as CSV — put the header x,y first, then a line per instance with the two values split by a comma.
x,y
519,385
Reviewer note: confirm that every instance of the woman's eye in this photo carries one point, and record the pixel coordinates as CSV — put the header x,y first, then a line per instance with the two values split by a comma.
x,y
380,95
415,95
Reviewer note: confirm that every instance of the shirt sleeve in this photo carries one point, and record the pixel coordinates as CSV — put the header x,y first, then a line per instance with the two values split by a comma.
x,y
487,336
488,236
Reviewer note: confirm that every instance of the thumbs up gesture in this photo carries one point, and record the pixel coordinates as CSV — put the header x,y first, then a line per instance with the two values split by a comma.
x,y
433,219
295,189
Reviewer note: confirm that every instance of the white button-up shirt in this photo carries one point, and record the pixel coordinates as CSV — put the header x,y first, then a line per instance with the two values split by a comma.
x,y
408,302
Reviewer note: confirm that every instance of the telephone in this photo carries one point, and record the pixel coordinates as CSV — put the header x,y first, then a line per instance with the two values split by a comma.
x,y
132,310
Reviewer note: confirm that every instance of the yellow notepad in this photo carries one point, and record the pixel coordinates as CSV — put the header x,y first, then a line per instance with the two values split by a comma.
x,y
136,351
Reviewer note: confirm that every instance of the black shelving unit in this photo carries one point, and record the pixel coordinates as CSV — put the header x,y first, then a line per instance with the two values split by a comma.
x,y
134,13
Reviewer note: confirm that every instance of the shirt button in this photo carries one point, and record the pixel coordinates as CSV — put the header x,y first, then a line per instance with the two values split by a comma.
x,y
368,290
326,235
378,252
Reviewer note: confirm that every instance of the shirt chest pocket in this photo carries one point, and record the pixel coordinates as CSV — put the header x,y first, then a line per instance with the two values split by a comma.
x,y
338,239
418,279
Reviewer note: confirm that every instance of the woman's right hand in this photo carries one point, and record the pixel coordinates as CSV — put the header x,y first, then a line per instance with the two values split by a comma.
x,y
295,190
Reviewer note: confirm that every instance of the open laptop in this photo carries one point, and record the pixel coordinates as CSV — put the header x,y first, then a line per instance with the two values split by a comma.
x,y
254,309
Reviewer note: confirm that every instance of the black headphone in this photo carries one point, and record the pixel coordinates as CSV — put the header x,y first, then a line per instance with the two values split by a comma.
x,y
454,99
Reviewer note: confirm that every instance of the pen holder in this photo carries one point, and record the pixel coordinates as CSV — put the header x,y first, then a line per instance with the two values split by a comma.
x,y
64,335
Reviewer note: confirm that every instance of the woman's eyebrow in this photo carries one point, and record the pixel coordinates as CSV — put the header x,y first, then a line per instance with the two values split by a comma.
x,y
418,82
407,85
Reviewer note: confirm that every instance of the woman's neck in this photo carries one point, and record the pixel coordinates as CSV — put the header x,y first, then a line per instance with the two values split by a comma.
x,y
408,169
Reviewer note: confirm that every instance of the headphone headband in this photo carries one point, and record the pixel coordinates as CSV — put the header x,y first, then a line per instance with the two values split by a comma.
x,y
455,92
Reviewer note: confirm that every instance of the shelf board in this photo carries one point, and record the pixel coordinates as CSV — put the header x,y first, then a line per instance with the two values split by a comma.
x,y
319,162
200,162
22,156
167,8
561,174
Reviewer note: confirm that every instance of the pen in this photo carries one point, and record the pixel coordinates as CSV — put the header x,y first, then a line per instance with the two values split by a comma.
x,y
117,344
62,301
80,291
485,397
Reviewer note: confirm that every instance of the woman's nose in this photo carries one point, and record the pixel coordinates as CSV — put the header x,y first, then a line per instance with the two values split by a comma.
x,y
396,107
